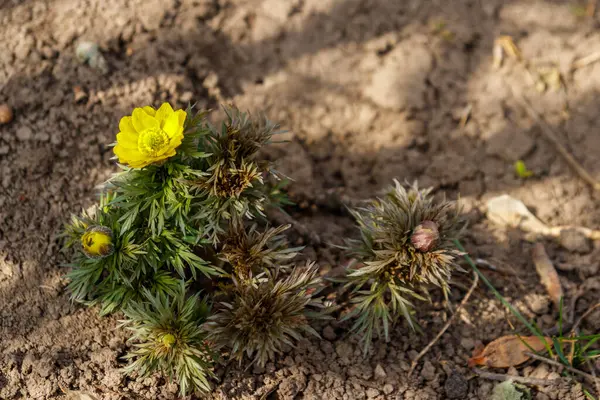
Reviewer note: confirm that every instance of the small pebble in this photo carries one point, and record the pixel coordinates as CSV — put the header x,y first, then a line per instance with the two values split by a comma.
x,y
467,343
329,333
6,114
573,240
456,386
186,97
388,388
428,371
379,372
24,133
89,53
540,372
42,136
372,393
79,94
537,303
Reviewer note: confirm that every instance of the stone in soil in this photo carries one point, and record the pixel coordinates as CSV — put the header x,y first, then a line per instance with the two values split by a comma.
x,y
329,333
575,241
24,133
428,371
456,386
379,372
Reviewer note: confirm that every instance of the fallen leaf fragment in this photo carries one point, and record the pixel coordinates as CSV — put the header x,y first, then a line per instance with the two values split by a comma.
x,y
507,211
502,45
507,351
547,273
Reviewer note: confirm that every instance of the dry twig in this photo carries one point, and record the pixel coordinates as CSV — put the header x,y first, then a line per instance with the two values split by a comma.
x,y
446,326
585,61
515,378
587,376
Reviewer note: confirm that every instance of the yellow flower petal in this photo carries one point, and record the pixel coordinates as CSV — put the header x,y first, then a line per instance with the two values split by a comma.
x,y
125,125
125,155
128,140
172,126
163,113
142,121
174,143
166,153
149,110
181,114
140,164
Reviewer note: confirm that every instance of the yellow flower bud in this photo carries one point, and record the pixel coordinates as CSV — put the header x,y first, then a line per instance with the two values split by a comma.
x,y
97,242
168,340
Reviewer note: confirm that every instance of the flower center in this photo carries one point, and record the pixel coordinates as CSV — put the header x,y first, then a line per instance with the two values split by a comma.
x,y
152,141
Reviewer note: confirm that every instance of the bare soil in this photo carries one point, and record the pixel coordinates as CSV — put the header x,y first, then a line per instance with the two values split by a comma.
x,y
370,90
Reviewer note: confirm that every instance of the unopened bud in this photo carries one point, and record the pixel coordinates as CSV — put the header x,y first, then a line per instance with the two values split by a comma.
x,y
97,242
425,236
168,340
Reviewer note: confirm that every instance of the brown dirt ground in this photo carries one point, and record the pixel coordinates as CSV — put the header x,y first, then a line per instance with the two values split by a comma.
x,y
370,91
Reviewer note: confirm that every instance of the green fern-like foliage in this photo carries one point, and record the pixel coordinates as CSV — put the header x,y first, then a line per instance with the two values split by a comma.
x,y
111,281
235,184
405,245
169,338
258,319
251,252
188,224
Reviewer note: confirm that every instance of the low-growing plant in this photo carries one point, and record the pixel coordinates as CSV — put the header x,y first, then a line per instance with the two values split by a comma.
x,y
183,219
406,245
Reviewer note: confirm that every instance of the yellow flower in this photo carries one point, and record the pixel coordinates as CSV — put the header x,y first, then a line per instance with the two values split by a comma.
x,y
149,135
97,242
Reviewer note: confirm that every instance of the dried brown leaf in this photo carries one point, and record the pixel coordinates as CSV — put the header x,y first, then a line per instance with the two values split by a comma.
x,y
507,351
